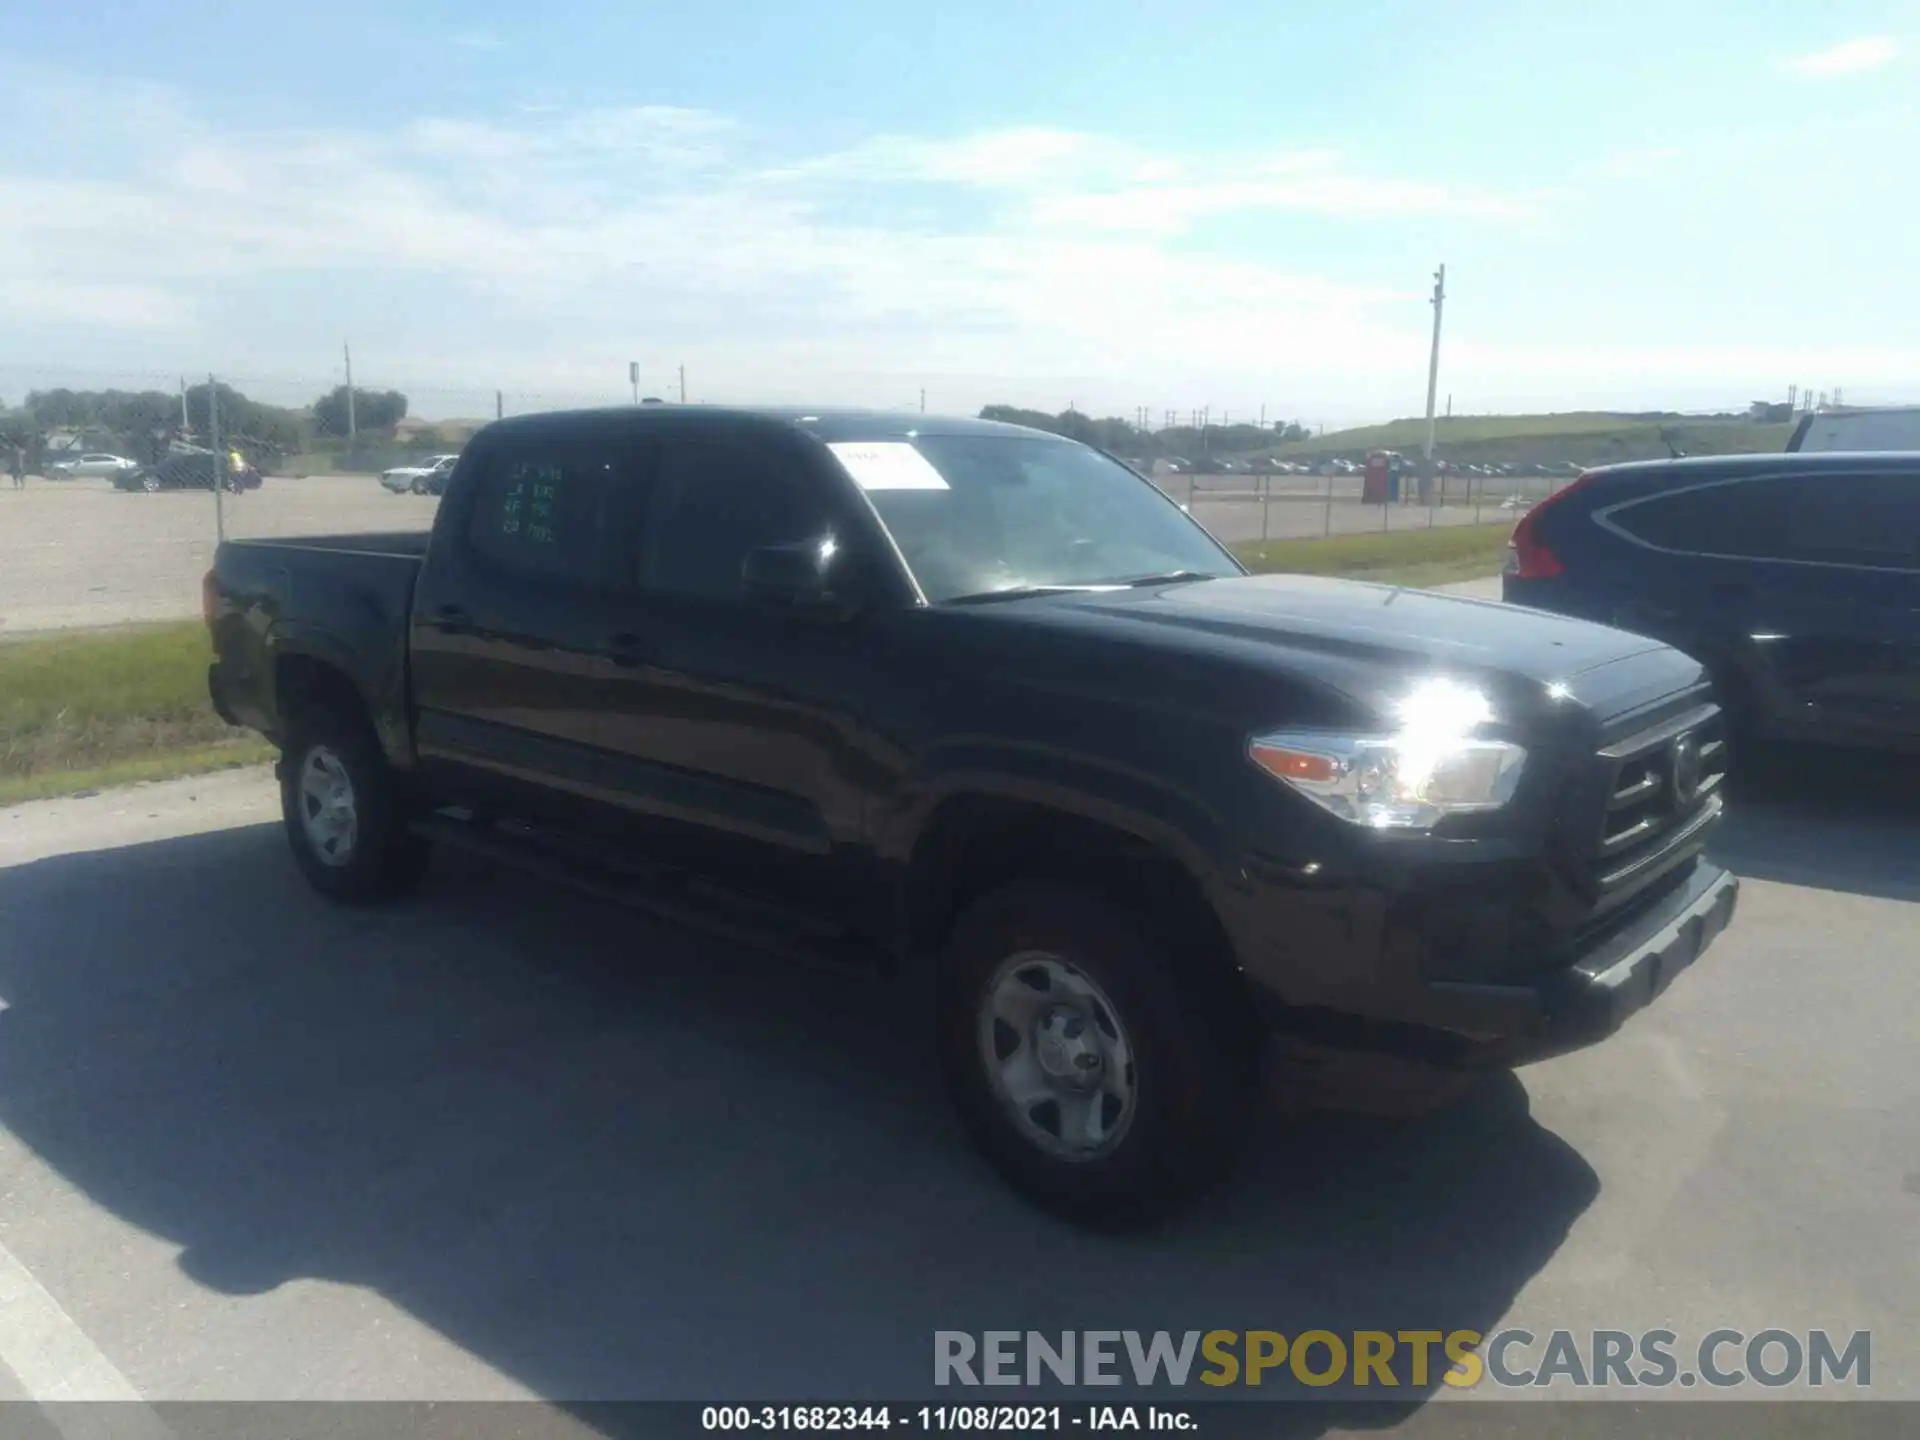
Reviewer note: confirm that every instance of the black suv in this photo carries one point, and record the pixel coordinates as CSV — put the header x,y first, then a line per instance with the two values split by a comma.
x,y
1794,578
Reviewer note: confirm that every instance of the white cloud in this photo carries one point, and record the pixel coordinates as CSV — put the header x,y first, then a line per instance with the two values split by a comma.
x,y
1067,178
1848,58
562,235
479,40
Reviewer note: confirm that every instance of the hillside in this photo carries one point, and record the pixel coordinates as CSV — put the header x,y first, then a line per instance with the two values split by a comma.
x,y
1585,438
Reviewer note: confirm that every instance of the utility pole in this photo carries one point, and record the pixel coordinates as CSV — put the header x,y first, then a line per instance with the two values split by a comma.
x,y
1449,405
633,379
499,405
683,384
186,425
219,463
352,429
1263,417
1433,359
923,399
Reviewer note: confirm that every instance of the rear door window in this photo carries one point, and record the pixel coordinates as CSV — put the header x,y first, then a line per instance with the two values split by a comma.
x,y
1834,519
540,508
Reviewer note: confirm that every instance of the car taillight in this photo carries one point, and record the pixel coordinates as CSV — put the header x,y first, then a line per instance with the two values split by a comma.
x,y
1528,556
209,598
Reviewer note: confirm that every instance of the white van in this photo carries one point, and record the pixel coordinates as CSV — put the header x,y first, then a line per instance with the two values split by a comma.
x,y
1894,428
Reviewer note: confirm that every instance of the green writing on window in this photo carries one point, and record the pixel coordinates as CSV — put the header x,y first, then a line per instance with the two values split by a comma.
x,y
529,510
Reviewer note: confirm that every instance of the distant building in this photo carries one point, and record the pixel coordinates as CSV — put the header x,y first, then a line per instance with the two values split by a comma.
x,y
436,432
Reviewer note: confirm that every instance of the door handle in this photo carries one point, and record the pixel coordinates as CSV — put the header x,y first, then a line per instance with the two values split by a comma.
x,y
452,620
626,649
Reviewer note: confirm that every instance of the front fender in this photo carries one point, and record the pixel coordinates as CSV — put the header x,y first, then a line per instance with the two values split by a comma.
x,y
1176,821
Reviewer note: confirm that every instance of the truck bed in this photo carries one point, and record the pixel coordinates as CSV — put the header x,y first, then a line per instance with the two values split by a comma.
x,y
411,543
344,601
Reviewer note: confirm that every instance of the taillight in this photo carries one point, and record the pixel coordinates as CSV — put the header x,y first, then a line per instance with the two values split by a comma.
x,y
209,598
1528,556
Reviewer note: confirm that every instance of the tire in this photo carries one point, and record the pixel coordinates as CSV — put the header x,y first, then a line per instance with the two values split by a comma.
x,y
1175,1071
364,854
150,484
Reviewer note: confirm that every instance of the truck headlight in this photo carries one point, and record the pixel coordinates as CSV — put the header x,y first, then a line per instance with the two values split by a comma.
x,y
1430,765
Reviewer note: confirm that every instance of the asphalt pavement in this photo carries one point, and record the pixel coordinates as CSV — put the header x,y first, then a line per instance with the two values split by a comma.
x,y
499,1141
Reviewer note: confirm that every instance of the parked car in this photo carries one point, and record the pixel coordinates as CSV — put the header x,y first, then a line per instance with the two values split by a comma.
x,y
968,702
93,465
187,469
1894,427
427,479
1794,579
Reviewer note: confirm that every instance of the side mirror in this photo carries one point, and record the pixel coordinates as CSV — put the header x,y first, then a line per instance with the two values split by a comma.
x,y
799,577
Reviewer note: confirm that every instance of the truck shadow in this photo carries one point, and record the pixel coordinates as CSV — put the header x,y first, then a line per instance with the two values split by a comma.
x,y
615,1161
1827,819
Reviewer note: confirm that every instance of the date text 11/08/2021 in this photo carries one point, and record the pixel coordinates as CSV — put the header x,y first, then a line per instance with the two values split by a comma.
x,y
941,1419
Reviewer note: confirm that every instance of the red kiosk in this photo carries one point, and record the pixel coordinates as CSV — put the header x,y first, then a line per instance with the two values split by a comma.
x,y
1381,483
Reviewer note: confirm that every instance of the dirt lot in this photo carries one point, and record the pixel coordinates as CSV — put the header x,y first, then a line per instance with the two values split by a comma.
x,y
79,553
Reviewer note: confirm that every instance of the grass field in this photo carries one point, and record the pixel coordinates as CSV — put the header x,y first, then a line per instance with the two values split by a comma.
x,y
1583,437
86,709
82,710
1411,557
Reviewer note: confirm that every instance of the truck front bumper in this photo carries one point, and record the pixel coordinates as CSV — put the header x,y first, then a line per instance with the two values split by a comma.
x,y
1391,1010
1590,999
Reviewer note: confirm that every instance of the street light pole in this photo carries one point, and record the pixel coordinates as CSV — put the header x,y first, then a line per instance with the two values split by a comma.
x,y
219,462
1433,359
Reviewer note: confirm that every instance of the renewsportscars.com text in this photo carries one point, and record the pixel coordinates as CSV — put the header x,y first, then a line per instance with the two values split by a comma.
x,y
1464,1359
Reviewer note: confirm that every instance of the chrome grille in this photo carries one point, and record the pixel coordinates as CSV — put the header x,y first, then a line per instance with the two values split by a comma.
x,y
1662,795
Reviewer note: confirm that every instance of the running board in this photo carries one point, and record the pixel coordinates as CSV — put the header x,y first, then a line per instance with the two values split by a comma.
x,y
672,895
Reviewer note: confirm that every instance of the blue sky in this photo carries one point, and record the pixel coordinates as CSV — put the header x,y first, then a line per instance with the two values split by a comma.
x,y
1220,204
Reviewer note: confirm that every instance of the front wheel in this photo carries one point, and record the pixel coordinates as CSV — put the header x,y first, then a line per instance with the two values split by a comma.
x,y
1103,1084
344,815
150,484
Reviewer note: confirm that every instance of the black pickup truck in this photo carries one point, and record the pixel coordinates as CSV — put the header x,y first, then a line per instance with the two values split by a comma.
x,y
969,703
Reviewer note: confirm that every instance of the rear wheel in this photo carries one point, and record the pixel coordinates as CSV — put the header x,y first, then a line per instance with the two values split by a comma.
x,y
1101,1084
345,818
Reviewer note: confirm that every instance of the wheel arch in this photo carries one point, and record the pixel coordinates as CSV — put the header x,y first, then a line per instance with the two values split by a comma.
x,y
976,843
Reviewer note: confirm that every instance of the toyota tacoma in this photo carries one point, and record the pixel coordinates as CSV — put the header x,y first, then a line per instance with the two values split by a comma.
x,y
966,702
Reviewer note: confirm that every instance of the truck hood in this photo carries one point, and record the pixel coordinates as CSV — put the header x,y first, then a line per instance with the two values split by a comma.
x,y
1366,639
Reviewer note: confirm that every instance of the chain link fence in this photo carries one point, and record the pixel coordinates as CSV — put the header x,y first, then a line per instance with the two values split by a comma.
x,y
126,483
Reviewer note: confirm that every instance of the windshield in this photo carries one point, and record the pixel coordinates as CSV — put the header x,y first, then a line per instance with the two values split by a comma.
x,y
1009,514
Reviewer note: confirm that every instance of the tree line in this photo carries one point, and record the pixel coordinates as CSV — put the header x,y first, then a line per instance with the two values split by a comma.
x,y
136,421
1120,437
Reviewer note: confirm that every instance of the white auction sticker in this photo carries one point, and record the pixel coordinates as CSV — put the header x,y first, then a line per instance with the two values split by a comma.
x,y
887,465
